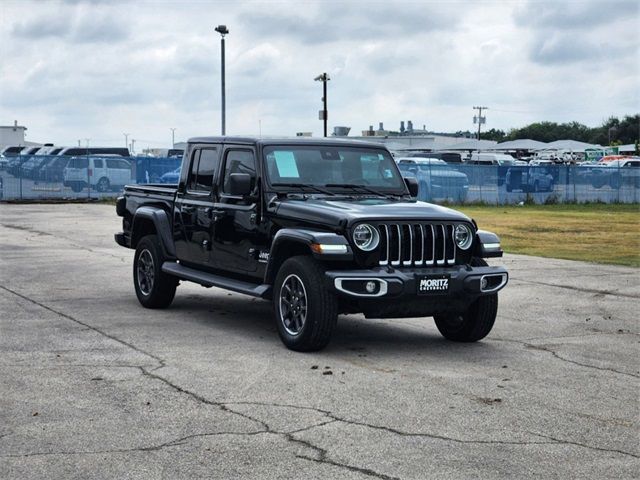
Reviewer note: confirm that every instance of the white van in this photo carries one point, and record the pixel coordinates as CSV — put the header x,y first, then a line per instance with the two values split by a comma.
x,y
491,159
102,172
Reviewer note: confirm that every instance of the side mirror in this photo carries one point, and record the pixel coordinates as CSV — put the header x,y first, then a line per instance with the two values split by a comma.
x,y
412,185
239,184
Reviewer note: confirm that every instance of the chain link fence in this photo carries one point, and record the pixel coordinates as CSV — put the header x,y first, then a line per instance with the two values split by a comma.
x,y
42,177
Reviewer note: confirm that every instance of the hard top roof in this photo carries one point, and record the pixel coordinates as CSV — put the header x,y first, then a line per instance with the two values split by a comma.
x,y
286,141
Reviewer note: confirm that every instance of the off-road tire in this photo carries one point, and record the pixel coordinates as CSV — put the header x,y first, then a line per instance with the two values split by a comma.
x,y
476,322
321,306
160,293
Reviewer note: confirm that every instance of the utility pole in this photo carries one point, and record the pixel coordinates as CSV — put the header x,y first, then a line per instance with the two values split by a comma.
x,y
324,78
480,119
87,140
222,30
126,139
173,138
133,144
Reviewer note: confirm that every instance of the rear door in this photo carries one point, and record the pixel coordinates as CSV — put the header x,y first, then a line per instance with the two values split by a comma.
x,y
194,206
235,243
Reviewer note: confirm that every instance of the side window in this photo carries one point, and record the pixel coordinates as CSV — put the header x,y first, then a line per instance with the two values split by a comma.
x,y
112,163
124,164
98,163
207,169
79,162
193,173
203,169
238,161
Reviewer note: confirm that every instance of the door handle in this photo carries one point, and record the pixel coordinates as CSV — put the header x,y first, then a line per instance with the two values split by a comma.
x,y
214,213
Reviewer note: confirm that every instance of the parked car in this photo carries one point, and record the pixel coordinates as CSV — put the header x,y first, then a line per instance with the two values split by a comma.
x,y
4,162
615,173
480,158
529,179
53,170
436,180
16,163
171,177
449,157
76,151
102,173
12,150
320,227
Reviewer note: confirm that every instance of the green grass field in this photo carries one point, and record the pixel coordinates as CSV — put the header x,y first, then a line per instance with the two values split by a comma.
x,y
591,232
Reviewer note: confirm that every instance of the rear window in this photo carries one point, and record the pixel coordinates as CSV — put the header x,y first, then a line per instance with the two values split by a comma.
x,y
78,163
117,163
203,169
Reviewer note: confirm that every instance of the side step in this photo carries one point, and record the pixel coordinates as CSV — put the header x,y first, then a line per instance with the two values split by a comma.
x,y
211,280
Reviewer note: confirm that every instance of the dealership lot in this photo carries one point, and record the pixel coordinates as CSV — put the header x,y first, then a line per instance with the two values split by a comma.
x,y
94,386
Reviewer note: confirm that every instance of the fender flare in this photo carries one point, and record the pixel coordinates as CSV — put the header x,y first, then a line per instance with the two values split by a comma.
x,y
305,238
487,245
162,225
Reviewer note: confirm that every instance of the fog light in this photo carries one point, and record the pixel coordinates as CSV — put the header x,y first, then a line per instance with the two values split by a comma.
x,y
483,283
371,287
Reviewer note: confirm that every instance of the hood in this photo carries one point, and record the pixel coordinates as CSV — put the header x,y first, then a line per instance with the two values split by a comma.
x,y
330,212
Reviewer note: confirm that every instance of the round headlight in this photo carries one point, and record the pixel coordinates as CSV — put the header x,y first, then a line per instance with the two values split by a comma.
x,y
463,236
366,237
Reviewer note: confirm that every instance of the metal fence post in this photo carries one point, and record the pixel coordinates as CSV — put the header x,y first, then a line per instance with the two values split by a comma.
x,y
20,174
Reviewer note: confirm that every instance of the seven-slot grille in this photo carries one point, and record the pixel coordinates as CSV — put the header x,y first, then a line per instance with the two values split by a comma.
x,y
417,244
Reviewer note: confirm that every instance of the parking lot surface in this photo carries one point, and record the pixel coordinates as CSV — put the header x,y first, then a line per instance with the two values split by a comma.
x,y
94,386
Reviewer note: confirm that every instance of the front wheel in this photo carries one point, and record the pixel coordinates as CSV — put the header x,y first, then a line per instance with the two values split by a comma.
x,y
154,288
475,323
306,312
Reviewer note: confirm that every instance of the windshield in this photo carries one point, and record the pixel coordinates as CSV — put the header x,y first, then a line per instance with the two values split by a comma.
x,y
332,166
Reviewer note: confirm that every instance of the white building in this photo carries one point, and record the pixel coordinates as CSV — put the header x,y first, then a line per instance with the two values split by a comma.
x,y
12,135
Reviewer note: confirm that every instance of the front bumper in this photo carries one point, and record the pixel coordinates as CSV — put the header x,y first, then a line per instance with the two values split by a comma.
x,y
396,290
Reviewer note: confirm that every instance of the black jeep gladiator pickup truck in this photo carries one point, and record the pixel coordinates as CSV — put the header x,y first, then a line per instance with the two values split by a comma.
x,y
319,227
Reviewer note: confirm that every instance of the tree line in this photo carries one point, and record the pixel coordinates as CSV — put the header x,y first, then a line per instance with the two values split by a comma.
x,y
613,131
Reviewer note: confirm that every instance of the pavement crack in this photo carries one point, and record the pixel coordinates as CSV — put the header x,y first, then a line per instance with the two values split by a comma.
x,y
199,398
364,471
584,445
581,289
542,348
86,325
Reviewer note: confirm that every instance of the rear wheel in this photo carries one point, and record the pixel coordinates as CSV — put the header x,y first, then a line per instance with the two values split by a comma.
x,y
475,323
103,185
77,187
154,288
306,312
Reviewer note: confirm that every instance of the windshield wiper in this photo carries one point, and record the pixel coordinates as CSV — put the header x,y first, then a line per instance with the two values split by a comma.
x,y
302,186
354,186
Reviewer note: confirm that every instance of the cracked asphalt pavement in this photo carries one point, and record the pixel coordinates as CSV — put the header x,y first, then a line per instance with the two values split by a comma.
x,y
94,386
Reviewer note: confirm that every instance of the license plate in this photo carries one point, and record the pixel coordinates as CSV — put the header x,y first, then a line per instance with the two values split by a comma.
x,y
432,284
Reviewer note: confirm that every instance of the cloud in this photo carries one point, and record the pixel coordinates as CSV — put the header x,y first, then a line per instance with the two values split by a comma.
x,y
337,22
95,69
78,27
574,15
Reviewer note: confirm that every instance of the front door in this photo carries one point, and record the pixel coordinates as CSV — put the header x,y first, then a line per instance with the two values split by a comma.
x,y
194,207
235,235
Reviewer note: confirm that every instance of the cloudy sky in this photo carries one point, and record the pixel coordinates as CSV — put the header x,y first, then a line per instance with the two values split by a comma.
x,y
97,69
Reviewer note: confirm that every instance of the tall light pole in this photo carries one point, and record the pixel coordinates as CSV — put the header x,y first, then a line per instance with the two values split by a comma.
x,y
126,139
173,137
222,30
324,78
480,118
